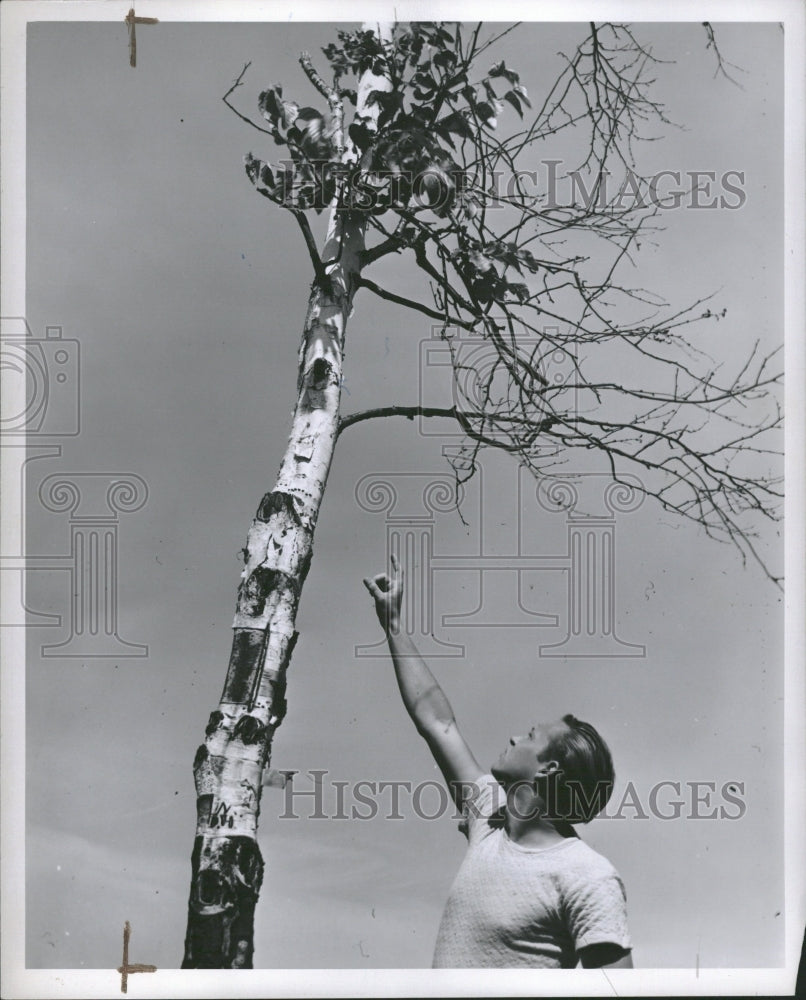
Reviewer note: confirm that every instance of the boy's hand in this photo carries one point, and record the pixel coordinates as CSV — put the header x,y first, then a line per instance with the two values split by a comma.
x,y
388,593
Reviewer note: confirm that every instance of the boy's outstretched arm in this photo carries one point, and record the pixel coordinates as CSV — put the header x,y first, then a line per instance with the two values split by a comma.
x,y
424,699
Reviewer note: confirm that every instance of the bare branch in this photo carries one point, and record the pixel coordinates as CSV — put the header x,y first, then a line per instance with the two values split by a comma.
x,y
226,100
451,412
367,283
721,63
322,278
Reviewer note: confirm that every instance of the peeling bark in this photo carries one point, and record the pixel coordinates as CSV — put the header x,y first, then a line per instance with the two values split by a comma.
x,y
227,867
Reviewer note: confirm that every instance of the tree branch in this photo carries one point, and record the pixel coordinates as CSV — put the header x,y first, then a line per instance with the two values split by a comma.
x,y
720,62
322,278
232,107
334,101
411,304
410,412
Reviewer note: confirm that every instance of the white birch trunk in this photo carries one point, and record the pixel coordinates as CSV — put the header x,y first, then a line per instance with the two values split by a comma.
x,y
228,769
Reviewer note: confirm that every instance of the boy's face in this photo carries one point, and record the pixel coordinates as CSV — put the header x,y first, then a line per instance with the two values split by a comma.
x,y
526,755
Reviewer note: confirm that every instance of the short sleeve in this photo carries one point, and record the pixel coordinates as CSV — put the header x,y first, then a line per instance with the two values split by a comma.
x,y
481,800
597,913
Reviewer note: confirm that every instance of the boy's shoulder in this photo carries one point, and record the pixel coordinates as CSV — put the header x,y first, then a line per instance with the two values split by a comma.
x,y
581,862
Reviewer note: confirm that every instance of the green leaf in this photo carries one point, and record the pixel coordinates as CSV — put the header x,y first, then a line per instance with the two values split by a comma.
x,y
390,101
445,59
469,94
480,262
308,131
500,69
444,133
487,113
519,290
279,113
512,97
263,177
469,205
527,258
520,90
361,135
424,81
456,123
507,253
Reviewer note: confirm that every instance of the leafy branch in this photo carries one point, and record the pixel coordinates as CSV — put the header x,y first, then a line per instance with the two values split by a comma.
x,y
530,284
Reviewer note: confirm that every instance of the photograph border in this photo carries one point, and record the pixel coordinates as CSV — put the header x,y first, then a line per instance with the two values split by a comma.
x,y
21,982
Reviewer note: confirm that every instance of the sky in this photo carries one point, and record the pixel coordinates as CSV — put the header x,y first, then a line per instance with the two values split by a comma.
x,y
185,292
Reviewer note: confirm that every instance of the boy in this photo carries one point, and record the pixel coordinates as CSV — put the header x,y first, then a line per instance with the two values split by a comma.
x,y
529,893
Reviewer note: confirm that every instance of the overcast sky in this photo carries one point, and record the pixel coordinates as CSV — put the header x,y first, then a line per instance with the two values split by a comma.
x,y
186,291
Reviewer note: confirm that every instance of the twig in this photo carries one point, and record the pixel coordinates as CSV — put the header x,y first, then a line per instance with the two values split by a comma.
x,y
322,277
411,304
720,62
232,107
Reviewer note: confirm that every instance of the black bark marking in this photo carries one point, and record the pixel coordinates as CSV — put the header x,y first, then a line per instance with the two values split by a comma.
x,y
315,382
249,730
204,806
279,704
227,875
320,373
211,888
303,570
245,664
277,502
256,589
201,756
215,720
289,650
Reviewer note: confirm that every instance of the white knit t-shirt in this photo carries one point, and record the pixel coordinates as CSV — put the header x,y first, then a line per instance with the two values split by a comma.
x,y
513,906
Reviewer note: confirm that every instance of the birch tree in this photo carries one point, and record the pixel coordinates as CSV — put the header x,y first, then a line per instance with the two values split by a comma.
x,y
421,170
